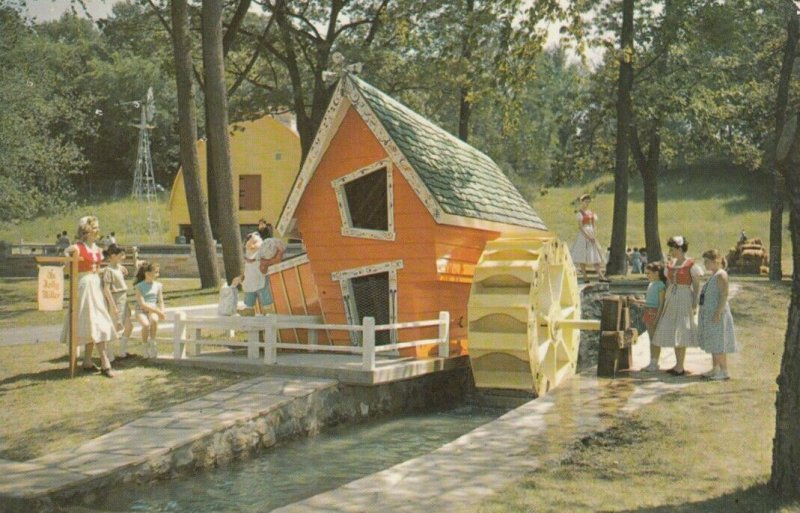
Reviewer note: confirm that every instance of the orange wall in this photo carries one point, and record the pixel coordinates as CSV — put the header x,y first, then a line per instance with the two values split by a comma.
x,y
419,241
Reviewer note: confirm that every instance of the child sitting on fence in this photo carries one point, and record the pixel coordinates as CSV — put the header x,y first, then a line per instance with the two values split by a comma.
x,y
149,305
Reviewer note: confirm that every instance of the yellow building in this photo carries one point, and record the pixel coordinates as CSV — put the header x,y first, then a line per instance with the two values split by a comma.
x,y
265,159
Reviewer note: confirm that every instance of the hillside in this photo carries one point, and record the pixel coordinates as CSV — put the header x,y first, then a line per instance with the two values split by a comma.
x,y
709,209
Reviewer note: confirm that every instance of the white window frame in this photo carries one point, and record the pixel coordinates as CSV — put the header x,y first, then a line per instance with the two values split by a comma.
x,y
348,230
348,296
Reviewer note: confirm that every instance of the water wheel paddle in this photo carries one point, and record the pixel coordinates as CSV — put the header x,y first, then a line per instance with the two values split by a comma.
x,y
525,314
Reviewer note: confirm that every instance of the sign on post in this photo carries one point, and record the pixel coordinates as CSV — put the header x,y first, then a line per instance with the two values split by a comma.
x,y
51,288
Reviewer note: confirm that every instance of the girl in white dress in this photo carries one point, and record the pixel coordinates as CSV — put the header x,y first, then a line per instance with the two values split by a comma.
x,y
586,250
715,322
95,326
677,326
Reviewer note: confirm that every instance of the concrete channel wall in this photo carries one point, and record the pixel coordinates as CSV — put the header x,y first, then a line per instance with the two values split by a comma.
x,y
272,420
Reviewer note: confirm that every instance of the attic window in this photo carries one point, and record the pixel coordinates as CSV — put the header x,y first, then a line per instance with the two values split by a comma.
x,y
365,202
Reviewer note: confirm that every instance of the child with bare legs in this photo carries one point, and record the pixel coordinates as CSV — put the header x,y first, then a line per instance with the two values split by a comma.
x,y
149,305
115,291
653,304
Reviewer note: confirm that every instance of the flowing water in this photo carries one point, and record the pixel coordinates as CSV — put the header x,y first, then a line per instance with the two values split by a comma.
x,y
302,468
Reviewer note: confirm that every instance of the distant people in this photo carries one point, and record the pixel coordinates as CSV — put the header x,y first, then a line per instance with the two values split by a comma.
x,y
643,252
628,259
62,242
111,238
715,323
742,237
149,305
677,326
95,325
181,239
653,305
586,250
115,290
636,261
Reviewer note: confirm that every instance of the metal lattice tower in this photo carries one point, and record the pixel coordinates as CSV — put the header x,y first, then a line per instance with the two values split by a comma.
x,y
144,181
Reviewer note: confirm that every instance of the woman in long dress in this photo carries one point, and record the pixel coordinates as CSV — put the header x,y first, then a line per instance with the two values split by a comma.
x,y
677,327
95,325
586,250
715,321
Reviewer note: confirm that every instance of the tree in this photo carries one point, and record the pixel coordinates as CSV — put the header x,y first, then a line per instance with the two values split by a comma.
x,y
205,248
42,122
618,260
781,102
218,139
785,478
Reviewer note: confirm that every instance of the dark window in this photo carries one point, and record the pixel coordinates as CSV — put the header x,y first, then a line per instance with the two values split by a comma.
x,y
371,294
366,201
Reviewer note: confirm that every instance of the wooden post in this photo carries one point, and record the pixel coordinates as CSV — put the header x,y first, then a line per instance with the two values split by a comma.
x,y
73,304
270,349
368,336
444,334
179,335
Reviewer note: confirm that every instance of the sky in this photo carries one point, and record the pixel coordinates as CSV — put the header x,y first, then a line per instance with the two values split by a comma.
x,y
47,10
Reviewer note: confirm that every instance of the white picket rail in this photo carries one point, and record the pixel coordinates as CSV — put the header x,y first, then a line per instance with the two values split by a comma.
x,y
270,324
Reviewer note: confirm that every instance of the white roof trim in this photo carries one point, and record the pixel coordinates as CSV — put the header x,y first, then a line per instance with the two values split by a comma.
x,y
327,129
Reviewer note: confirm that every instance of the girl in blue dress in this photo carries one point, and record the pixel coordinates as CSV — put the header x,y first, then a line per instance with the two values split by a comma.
x,y
149,305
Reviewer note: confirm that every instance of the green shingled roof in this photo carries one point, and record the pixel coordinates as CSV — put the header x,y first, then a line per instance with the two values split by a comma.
x,y
464,181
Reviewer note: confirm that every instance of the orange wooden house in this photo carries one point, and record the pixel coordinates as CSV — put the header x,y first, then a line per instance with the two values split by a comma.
x,y
394,213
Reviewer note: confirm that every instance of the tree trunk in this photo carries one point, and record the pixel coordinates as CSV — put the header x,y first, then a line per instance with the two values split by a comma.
x,y
782,99
205,250
648,169
618,261
785,477
217,115
464,105
213,201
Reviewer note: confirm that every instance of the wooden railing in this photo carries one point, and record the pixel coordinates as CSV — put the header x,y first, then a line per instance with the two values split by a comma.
x,y
270,324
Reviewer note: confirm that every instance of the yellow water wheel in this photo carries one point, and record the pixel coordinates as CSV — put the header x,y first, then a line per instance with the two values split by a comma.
x,y
525,314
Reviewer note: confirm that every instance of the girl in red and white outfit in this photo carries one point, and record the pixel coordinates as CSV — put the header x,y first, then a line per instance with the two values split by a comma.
x,y
677,326
95,325
586,250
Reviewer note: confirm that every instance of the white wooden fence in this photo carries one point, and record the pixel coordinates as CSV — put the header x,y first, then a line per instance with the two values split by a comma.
x,y
262,333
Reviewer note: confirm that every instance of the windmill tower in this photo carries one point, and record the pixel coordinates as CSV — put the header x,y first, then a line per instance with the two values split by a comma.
x,y
144,181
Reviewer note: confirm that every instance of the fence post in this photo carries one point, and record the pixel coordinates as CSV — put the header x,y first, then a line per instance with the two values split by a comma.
x,y
179,335
271,339
368,347
444,334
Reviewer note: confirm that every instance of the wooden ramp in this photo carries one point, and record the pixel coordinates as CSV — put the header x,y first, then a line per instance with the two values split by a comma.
x,y
525,314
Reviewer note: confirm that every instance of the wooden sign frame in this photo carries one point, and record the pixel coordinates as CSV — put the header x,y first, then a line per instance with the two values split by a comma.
x,y
73,303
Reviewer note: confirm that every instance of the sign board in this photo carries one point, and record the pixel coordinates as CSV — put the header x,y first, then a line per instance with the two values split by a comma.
x,y
51,288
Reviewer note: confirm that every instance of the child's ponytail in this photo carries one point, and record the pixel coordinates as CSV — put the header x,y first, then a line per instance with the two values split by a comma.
x,y
144,267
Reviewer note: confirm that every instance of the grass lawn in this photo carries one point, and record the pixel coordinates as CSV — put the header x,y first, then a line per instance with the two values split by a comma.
x,y
18,304
43,410
707,448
